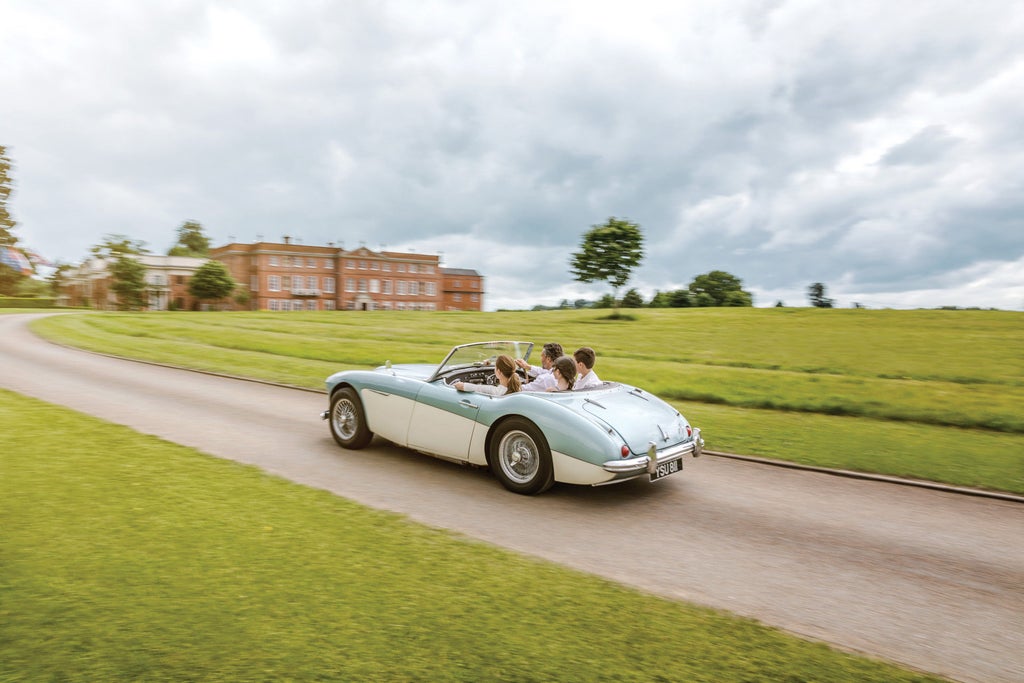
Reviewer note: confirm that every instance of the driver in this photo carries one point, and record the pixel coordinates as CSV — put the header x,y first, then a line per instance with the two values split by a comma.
x,y
543,379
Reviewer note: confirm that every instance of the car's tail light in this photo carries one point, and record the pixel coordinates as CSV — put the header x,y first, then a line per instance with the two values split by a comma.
x,y
689,430
625,451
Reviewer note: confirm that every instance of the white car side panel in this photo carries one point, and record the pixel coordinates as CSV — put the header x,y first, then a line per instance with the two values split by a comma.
x,y
569,470
387,415
439,432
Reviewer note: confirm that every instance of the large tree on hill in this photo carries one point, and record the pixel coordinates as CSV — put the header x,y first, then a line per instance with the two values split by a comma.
x,y
609,252
816,293
191,241
719,288
211,281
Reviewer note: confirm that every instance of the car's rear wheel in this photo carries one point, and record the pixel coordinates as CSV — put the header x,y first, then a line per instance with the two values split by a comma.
x,y
520,457
347,420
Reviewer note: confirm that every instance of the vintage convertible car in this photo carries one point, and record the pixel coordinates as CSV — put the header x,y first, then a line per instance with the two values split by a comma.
x,y
601,435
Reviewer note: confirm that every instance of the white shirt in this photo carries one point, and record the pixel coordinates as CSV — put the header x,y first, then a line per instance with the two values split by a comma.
x,y
586,381
496,390
545,380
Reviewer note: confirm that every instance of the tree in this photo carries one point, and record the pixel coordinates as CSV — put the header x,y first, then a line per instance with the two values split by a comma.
x,y
816,293
56,278
115,246
719,288
632,299
660,300
10,277
680,298
128,281
191,241
609,252
211,281
7,237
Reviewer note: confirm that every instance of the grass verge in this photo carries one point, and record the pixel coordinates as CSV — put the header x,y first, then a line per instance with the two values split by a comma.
x,y
129,558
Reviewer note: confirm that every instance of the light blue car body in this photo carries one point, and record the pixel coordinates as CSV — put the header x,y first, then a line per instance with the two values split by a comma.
x,y
601,435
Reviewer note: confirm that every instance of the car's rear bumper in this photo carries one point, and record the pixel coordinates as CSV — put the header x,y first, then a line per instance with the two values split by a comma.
x,y
640,464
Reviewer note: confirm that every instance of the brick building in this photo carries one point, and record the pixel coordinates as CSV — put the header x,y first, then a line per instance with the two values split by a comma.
x,y
462,290
288,277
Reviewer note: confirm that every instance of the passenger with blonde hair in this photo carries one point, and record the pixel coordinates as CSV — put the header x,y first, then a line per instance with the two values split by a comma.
x,y
508,380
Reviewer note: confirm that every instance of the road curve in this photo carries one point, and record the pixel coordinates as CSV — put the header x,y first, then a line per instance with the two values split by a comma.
x,y
929,579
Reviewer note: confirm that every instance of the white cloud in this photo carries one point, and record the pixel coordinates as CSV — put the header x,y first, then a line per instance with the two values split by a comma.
x,y
874,147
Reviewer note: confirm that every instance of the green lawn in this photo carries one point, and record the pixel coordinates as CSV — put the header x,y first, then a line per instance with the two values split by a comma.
x,y
936,395
127,558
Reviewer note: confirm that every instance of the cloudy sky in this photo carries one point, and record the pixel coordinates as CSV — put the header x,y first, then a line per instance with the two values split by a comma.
x,y
877,147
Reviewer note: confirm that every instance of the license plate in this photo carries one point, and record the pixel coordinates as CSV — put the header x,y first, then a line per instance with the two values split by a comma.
x,y
666,468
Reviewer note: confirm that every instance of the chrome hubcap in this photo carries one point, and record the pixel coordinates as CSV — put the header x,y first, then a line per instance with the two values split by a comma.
x,y
344,419
518,457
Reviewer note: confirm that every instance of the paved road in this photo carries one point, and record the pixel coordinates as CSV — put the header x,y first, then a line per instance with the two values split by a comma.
x,y
931,579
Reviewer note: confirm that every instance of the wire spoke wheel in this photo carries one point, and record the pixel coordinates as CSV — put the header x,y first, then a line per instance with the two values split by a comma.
x,y
520,457
347,420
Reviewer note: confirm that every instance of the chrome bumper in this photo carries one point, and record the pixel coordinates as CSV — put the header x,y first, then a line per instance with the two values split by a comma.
x,y
641,463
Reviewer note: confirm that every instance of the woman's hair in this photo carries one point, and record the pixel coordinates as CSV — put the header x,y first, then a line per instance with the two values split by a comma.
x,y
566,367
507,366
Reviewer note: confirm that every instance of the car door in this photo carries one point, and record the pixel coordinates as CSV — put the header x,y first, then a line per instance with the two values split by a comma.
x,y
443,419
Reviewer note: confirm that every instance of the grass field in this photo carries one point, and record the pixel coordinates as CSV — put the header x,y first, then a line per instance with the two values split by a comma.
x,y
935,395
127,558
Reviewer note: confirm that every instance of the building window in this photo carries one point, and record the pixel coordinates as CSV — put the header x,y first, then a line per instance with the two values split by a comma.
x,y
456,297
386,267
329,285
350,284
310,305
431,288
412,267
414,288
362,265
254,283
374,265
362,284
273,304
474,298
401,267
273,262
350,264
311,282
374,286
429,270
458,283
274,283
387,287
311,263
328,305
400,287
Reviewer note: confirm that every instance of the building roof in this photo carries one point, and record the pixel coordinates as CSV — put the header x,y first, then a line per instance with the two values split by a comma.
x,y
464,272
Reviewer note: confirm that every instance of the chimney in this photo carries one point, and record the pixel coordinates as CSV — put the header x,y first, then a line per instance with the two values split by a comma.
x,y
287,239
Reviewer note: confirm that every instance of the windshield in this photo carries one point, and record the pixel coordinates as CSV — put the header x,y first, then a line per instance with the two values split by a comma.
x,y
483,353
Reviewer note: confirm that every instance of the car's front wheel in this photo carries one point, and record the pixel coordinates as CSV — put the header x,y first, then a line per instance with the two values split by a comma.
x,y
347,420
520,457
